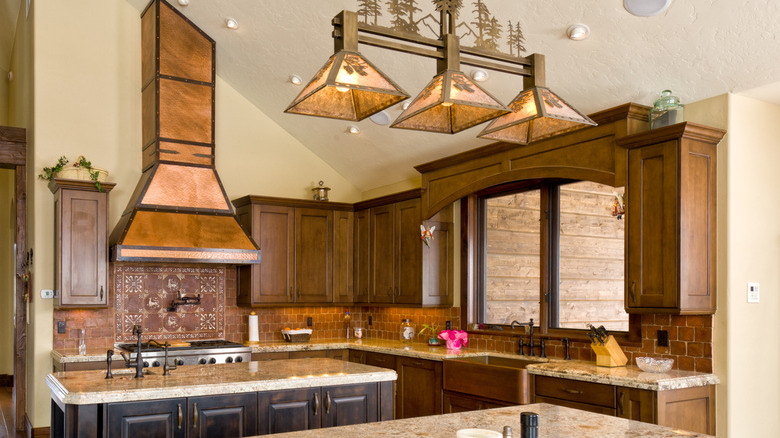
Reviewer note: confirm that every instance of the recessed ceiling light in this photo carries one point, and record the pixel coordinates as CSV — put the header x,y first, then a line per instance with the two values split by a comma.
x,y
295,80
578,32
381,118
479,75
354,130
405,105
184,2
646,8
231,23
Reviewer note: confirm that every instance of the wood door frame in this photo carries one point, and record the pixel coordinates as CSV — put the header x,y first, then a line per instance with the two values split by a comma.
x,y
13,155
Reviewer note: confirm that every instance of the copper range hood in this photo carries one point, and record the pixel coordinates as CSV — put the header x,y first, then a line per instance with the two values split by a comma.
x,y
179,211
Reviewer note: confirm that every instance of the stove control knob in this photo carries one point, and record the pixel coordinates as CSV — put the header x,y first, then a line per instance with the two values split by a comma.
x,y
202,361
156,363
212,360
179,362
146,364
229,360
239,359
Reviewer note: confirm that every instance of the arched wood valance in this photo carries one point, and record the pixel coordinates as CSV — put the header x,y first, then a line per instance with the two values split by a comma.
x,y
587,154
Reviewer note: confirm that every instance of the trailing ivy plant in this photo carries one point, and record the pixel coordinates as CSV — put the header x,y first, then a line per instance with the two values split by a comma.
x,y
50,172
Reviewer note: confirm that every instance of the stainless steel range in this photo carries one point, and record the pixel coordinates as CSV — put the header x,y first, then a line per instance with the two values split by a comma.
x,y
197,353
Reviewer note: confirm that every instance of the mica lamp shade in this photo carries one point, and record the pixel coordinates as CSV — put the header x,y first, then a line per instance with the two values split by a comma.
x,y
450,103
537,113
348,87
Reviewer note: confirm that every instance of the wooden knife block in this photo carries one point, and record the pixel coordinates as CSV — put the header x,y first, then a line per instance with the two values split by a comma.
x,y
610,354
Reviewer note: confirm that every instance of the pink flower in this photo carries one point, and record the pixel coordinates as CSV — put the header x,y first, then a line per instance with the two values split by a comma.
x,y
455,338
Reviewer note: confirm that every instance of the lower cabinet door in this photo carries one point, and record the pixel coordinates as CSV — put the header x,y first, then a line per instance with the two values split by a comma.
x,y
233,415
349,404
419,386
289,411
147,419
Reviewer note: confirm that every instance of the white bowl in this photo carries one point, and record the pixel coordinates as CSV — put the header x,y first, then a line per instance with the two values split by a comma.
x,y
478,433
652,365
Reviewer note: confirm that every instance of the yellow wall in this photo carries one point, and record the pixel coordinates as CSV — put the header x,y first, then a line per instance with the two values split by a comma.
x,y
7,221
88,102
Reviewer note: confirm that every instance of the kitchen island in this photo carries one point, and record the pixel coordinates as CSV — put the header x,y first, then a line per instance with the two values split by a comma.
x,y
236,399
554,422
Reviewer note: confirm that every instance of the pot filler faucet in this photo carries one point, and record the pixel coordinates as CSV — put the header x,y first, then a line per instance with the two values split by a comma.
x,y
139,361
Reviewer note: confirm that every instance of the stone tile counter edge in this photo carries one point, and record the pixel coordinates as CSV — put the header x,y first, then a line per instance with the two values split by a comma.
x,y
91,387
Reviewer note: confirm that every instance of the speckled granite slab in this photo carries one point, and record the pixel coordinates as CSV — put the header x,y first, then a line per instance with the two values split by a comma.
x,y
88,387
554,422
628,376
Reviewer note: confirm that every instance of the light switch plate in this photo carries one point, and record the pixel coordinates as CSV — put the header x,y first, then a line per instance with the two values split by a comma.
x,y
752,293
47,293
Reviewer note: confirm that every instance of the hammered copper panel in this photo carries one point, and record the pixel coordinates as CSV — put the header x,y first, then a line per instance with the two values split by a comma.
x,y
184,51
185,111
148,115
186,153
186,186
148,38
186,230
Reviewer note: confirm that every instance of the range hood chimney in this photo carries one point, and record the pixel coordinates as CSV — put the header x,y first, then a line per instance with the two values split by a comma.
x,y
179,211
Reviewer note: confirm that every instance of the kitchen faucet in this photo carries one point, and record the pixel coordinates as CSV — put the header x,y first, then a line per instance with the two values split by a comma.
x,y
139,362
531,344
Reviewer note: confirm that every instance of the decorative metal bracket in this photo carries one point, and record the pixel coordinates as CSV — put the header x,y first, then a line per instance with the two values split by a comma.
x,y
182,301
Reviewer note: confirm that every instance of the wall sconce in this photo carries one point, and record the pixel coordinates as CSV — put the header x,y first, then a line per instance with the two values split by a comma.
x,y
349,87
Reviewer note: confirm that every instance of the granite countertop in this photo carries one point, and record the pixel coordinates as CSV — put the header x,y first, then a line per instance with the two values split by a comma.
x,y
554,421
628,376
88,387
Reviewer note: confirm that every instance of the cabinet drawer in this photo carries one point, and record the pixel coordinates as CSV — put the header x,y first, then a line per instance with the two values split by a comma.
x,y
275,355
380,360
576,405
308,354
597,394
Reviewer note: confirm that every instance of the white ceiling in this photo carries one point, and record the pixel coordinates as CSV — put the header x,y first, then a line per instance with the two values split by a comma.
x,y
697,48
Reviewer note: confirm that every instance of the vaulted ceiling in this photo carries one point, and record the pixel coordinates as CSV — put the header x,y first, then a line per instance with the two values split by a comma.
x,y
697,48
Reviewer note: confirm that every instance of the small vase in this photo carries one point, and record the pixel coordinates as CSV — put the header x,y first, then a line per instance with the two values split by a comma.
x,y
433,341
454,344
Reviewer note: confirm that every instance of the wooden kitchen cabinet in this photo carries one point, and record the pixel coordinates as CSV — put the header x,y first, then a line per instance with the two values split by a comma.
x,y
81,243
688,409
314,408
671,220
306,252
147,418
233,415
419,387
392,264
455,402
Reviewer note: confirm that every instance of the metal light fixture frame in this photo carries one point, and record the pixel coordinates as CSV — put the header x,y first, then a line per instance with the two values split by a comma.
x,y
348,34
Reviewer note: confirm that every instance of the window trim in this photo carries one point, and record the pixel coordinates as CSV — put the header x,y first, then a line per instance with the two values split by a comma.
x,y
473,275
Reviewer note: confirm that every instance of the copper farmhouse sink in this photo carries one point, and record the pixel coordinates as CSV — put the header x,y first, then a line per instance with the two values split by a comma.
x,y
495,377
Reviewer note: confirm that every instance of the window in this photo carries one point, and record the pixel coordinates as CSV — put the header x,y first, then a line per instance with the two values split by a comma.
x,y
551,251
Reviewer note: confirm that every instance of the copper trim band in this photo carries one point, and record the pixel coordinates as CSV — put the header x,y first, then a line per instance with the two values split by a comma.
x,y
186,254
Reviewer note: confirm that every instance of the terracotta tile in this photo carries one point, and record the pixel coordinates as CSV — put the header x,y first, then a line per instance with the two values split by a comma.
x,y
695,321
686,333
677,348
695,349
685,363
703,365
661,319
703,334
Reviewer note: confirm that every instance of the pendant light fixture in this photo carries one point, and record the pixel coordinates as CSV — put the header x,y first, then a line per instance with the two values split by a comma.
x,y
348,86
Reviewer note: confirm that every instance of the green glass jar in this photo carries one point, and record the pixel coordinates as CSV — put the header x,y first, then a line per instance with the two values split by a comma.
x,y
667,110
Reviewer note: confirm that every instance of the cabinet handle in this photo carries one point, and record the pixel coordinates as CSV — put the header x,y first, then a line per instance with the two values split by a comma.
x,y
195,416
327,402
390,291
101,293
572,391
316,403
632,291
180,415
621,398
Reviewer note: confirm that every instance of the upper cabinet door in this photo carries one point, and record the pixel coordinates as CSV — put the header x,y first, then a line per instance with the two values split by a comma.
x,y
382,286
409,260
343,248
362,248
313,255
81,248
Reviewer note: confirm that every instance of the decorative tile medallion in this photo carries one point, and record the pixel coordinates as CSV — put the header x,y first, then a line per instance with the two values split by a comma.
x,y
144,294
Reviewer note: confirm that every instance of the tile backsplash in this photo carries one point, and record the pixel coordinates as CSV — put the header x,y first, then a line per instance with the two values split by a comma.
x,y
142,292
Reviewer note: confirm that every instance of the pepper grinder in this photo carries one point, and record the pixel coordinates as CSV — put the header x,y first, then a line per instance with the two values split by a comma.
x,y
529,425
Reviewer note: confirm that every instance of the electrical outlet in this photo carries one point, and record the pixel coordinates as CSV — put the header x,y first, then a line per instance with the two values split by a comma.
x,y
448,325
752,293
308,321
370,320
47,293
60,327
663,338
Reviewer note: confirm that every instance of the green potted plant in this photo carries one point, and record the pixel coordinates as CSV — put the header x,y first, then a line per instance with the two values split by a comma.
x,y
81,169
432,331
